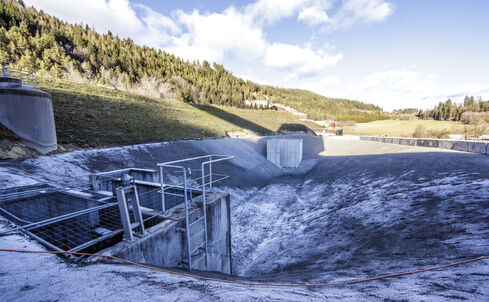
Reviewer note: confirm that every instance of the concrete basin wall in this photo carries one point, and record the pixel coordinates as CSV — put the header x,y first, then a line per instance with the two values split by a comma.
x,y
165,246
459,145
284,153
28,113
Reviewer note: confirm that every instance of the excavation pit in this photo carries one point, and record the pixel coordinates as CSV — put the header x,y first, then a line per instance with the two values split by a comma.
x,y
358,210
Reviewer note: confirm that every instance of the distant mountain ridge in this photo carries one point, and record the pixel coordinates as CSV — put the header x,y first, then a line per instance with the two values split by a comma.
x,y
34,40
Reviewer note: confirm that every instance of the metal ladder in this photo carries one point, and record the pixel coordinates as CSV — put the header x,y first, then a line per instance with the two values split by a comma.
x,y
196,239
196,231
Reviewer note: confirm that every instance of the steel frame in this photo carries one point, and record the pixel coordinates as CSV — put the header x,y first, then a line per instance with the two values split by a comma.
x,y
188,188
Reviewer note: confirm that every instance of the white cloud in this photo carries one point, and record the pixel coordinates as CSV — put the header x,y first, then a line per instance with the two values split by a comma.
x,y
115,15
321,85
211,36
119,16
313,16
270,11
330,81
158,28
395,89
363,11
300,61
233,33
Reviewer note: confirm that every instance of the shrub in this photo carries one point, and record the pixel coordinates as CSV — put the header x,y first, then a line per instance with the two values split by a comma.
x,y
420,131
443,133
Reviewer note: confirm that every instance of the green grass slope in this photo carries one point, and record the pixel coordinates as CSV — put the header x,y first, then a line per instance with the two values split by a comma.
x,y
92,116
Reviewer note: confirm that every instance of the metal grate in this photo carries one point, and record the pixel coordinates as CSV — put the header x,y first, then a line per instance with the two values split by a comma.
x,y
39,206
67,222
79,232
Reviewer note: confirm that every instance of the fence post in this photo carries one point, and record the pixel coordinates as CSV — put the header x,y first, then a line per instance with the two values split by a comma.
x,y
204,209
210,173
163,206
187,233
190,183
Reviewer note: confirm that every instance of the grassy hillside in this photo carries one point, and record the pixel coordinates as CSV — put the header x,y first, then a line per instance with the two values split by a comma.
x,y
90,116
36,41
400,128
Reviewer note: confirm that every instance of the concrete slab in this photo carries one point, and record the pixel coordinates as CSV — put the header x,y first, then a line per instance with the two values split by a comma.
x,y
461,146
285,153
424,142
407,141
447,144
477,147
465,146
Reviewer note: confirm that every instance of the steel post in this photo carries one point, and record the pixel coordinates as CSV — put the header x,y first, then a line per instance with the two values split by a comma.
x,y
126,222
136,209
163,207
210,173
204,209
190,183
186,219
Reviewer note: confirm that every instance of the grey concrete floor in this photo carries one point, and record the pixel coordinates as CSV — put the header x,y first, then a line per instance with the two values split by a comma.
x,y
353,209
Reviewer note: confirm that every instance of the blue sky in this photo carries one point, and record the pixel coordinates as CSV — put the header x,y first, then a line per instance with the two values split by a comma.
x,y
395,54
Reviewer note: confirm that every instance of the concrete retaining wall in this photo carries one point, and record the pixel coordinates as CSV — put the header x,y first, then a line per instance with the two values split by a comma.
x,y
285,153
465,146
165,246
28,113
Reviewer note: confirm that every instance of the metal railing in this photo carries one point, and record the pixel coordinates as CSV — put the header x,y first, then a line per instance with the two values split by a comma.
x,y
25,77
207,180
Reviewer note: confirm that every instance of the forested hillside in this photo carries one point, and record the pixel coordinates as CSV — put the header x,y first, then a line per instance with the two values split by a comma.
x,y
34,40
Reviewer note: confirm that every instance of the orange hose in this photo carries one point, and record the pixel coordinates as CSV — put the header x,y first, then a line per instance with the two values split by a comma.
x,y
254,283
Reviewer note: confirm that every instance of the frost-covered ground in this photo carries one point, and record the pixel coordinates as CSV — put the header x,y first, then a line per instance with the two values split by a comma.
x,y
360,209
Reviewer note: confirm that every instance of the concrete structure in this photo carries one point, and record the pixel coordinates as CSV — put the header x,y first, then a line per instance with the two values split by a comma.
x,y
75,221
165,243
459,145
285,153
28,113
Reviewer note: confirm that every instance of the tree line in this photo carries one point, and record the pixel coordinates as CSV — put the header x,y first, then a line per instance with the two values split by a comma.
x,y
36,41
450,111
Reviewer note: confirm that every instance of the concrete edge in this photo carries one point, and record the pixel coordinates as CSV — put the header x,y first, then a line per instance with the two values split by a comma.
x,y
479,147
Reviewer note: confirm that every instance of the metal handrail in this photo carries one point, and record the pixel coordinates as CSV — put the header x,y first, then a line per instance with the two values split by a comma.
x,y
172,164
188,187
195,158
26,77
